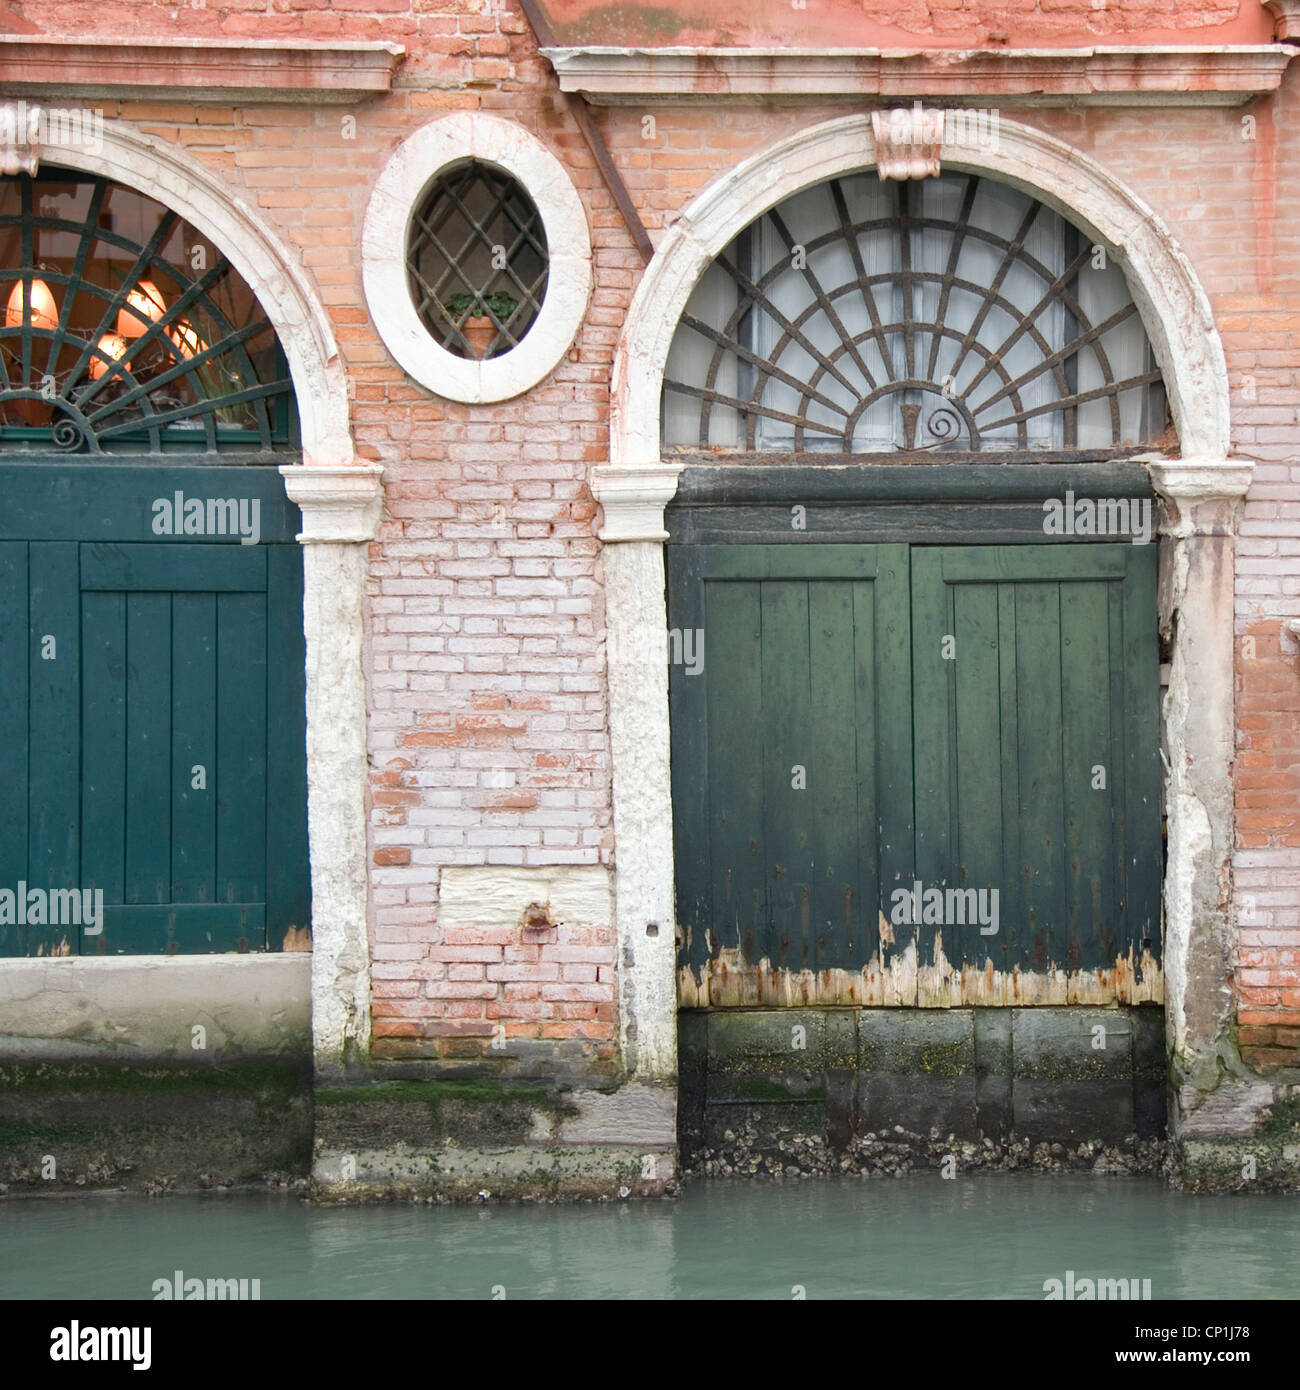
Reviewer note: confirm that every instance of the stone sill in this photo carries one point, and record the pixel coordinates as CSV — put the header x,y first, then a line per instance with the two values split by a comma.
x,y
1227,75
256,70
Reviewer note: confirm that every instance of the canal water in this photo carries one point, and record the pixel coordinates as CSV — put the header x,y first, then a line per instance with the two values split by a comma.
x,y
980,1236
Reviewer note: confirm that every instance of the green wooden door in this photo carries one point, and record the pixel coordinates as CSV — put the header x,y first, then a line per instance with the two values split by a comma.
x,y
152,697
791,767
1035,680
916,775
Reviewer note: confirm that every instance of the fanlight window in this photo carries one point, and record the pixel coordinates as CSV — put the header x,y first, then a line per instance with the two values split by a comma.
x,y
125,330
951,314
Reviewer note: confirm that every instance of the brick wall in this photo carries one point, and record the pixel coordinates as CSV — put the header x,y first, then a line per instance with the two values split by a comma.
x,y
487,730
1261,327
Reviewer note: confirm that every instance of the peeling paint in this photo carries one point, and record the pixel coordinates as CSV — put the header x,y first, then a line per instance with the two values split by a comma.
x,y
729,981
886,932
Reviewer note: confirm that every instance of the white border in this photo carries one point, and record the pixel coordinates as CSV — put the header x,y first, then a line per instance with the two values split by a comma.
x,y
418,160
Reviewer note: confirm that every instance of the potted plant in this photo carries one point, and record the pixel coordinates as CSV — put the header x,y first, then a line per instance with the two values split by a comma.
x,y
477,317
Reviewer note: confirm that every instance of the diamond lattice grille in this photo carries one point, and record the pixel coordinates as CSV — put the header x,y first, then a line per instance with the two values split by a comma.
x,y
477,261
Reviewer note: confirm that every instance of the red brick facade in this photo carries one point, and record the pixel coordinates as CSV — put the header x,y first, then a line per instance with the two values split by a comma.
x,y
488,733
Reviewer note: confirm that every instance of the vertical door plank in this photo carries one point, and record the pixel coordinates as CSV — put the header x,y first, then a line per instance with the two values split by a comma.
x,y
935,752
688,714
1144,866
1042,811
103,778
834,799
733,845
194,745
54,808
241,748
148,747
977,858
885,705
288,880
1090,775
1013,943
14,677
787,725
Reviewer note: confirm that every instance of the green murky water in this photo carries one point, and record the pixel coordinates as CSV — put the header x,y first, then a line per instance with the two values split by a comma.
x,y
980,1236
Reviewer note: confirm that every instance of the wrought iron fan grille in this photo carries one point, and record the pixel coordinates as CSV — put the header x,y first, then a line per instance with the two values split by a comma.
x,y
477,261
125,330
956,315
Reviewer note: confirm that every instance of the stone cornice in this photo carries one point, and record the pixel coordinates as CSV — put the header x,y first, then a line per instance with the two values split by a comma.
x,y
634,499
259,70
1225,75
338,504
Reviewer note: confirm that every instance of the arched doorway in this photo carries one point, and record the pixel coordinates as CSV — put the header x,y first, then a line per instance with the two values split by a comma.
x,y
915,751
917,703
340,500
152,586
643,476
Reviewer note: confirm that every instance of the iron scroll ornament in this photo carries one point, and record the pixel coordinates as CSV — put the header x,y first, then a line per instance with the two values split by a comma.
x,y
964,364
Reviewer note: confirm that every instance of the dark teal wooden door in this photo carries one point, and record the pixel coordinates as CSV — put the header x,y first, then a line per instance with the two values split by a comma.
x,y
1035,684
916,775
152,698
791,767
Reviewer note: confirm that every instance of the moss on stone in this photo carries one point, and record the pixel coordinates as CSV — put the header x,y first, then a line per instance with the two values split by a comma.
x,y
435,1092
423,1113
171,1125
54,1078
1283,1120
765,1088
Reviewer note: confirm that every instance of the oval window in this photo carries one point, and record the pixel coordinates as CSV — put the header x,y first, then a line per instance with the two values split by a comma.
x,y
476,260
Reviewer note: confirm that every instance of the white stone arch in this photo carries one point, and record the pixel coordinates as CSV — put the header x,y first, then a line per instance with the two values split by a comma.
x,y
340,500
1204,489
1175,309
273,273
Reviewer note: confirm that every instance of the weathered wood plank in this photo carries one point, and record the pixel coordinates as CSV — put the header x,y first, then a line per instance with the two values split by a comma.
x,y
1090,775
241,748
890,709
691,779
1042,811
842,804
194,748
15,675
977,727
731,842
54,803
103,776
1144,867
148,747
788,795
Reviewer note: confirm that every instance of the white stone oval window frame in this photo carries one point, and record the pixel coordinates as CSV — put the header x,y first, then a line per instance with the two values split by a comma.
x,y
417,162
